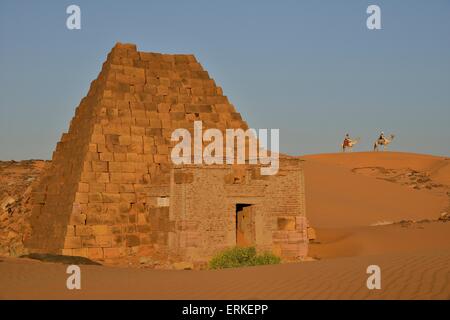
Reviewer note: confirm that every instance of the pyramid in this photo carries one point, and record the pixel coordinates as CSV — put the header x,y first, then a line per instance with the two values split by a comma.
x,y
110,167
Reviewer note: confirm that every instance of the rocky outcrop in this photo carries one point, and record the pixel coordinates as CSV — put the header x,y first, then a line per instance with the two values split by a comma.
x,y
16,179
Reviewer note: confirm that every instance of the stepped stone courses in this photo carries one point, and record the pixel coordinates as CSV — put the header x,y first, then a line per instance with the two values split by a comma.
x,y
112,192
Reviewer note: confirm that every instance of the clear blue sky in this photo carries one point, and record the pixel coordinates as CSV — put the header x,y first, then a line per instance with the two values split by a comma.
x,y
310,68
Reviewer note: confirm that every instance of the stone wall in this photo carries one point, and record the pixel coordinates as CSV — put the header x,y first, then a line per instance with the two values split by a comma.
x,y
203,209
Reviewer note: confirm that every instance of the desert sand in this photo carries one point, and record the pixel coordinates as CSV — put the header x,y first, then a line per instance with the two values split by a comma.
x,y
383,208
367,188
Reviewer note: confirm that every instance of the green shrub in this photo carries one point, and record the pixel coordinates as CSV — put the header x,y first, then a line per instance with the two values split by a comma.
x,y
266,258
241,257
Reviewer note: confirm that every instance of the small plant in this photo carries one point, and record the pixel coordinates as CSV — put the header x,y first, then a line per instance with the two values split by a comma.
x,y
266,258
242,257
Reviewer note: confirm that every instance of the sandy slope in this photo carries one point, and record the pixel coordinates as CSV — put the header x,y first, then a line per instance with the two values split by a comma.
x,y
346,194
337,196
404,276
380,240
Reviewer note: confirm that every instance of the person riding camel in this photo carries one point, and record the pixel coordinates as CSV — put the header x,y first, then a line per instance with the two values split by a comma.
x,y
382,137
347,140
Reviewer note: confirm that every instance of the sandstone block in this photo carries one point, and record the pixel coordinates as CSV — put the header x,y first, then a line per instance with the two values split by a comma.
x,y
136,148
97,187
97,138
70,230
83,187
115,166
311,234
125,140
158,158
128,197
128,167
113,252
80,252
128,178
83,230
81,197
72,242
95,253
286,223
100,230
295,237
116,177
111,197
112,188
126,187
88,242
132,240
183,177
163,107
102,177
104,241
120,157
162,90
95,197
67,252
137,130
77,219
100,166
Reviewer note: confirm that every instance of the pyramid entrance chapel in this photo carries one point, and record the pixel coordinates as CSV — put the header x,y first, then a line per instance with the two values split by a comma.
x,y
112,192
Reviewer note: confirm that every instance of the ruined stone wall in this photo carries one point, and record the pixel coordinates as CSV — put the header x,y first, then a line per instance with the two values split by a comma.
x,y
201,213
286,203
203,203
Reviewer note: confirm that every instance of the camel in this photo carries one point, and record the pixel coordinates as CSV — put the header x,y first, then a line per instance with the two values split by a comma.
x,y
349,143
383,142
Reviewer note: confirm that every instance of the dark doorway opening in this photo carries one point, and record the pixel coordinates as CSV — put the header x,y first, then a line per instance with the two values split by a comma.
x,y
245,225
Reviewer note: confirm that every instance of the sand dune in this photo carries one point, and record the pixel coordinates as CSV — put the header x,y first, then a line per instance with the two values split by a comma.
x,y
339,197
389,239
404,276
388,159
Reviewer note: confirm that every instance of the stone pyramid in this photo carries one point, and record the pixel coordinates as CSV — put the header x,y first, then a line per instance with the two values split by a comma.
x,y
103,196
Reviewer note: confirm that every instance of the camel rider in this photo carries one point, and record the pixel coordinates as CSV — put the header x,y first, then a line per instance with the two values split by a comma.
x,y
347,140
382,137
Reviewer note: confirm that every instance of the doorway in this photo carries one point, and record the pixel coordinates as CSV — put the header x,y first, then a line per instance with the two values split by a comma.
x,y
245,225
